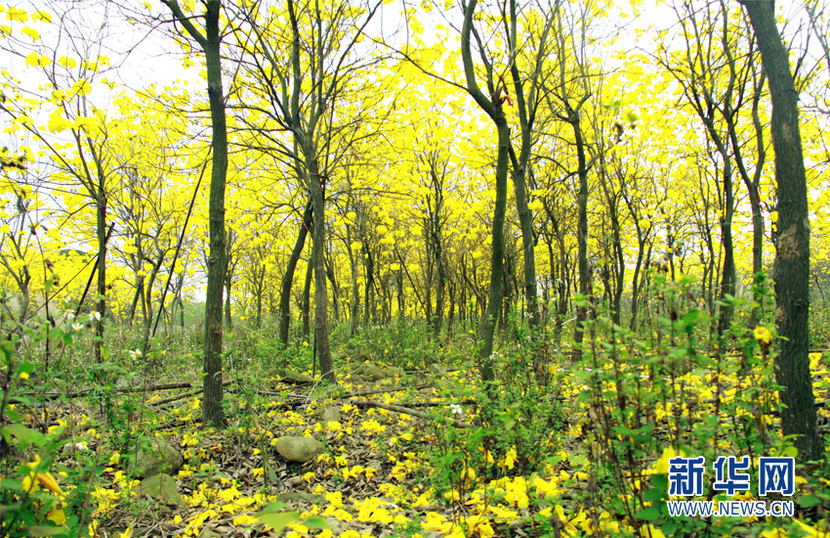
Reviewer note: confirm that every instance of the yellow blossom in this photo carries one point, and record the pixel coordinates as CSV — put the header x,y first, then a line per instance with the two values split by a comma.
x,y
762,334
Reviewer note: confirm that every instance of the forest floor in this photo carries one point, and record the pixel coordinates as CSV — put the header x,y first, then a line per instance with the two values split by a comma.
x,y
383,471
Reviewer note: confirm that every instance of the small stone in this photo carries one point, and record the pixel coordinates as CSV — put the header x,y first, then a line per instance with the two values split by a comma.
x,y
298,496
298,449
161,487
296,378
395,371
158,457
371,372
331,413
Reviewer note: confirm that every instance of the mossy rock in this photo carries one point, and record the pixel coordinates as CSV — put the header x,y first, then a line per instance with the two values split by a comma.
x,y
297,449
158,456
331,413
395,371
297,378
371,372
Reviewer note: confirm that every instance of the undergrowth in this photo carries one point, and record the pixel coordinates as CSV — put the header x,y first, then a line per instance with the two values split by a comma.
x,y
552,447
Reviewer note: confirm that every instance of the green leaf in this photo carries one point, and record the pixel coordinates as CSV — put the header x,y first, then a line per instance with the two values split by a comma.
x,y
669,528
648,514
25,367
278,520
7,349
25,436
11,485
316,522
622,430
691,316
654,494
44,530
275,506
808,501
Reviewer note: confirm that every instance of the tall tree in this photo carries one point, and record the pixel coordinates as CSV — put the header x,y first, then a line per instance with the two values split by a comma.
x,y
302,70
792,246
212,412
493,106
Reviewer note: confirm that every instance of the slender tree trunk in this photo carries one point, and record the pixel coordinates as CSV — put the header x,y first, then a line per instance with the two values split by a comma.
x,y
728,277
227,304
288,277
139,291
581,235
335,299
321,299
309,273
101,306
354,306
494,300
792,258
212,411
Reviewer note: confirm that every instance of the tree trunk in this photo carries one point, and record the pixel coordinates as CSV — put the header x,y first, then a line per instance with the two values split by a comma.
x,y
101,307
494,300
792,257
309,273
227,303
288,277
728,278
321,299
581,234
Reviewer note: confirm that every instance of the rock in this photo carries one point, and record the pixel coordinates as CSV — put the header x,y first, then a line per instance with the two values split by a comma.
x,y
161,487
331,413
296,378
298,449
298,496
158,457
395,371
436,369
371,372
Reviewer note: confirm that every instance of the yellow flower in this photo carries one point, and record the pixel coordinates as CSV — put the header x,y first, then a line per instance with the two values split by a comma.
x,y
661,466
31,481
245,519
762,334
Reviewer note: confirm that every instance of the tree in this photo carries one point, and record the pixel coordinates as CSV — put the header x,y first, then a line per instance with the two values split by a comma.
x,y
493,106
301,73
77,135
792,246
212,412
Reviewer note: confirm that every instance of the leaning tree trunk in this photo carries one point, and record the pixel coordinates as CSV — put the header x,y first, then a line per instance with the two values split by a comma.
x,y
288,277
792,256
494,301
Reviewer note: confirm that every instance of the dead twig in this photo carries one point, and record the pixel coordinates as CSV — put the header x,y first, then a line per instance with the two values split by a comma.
x,y
405,411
